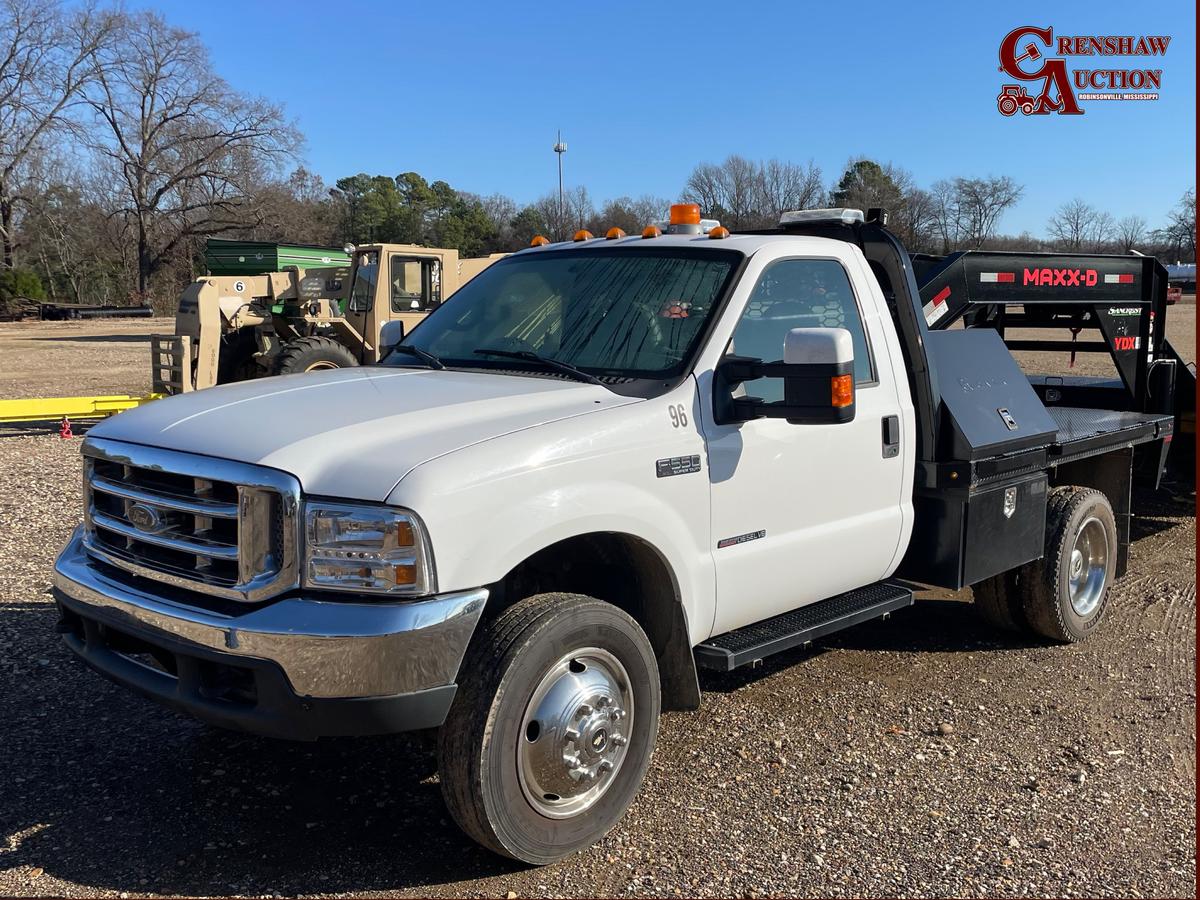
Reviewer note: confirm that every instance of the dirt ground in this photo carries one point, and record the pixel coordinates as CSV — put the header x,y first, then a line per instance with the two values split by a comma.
x,y
1064,771
80,358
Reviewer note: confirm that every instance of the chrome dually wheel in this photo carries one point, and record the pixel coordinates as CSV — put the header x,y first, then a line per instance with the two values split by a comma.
x,y
1065,592
1087,573
574,735
550,735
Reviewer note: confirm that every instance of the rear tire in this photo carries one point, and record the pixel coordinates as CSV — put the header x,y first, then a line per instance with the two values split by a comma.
x,y
311,354
550,735
999,602
1066,592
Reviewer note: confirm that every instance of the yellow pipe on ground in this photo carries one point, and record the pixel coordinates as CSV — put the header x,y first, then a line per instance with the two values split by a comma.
x,y
53,409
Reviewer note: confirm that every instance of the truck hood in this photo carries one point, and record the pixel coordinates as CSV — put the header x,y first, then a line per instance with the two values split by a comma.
x,y
354,433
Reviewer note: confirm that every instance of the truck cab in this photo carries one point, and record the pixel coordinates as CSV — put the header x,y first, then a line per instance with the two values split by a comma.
x,y
601,465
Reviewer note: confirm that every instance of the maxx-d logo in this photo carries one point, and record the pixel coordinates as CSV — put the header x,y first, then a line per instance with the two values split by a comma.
x,y
1027,54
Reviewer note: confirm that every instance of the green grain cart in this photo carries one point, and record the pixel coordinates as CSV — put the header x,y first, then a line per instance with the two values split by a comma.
x,y
260,257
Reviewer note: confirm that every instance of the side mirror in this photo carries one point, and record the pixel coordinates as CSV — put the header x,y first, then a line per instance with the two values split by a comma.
x,y
818,381
391,333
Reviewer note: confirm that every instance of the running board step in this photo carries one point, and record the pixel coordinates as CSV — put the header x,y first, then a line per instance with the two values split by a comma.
x,y
800,626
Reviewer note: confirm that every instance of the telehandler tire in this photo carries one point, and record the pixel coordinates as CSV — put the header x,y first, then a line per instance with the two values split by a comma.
x,y
312,354
1066,592
549,737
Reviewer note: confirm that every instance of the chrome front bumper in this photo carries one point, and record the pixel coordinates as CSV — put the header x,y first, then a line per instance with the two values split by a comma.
x,y
306,652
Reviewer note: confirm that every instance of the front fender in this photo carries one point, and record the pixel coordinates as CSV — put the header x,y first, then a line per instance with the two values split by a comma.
x,y
491,506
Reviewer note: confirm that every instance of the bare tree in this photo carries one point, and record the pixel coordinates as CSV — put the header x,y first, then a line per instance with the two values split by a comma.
x,y
746,194
500,210
628,214
579,209
550,212
1179,235
947,217
297,208
186,147
729,192
967,210
649,209
48,56
917,225
705,187
741,191
1077,225
784,186
981,202
1130,231
1103,233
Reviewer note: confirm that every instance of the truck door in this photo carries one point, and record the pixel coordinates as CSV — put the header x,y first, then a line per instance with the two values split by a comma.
x,y
361,301
803,512
415,288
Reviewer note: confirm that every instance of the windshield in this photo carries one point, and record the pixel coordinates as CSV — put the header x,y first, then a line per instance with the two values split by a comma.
x,y
635,314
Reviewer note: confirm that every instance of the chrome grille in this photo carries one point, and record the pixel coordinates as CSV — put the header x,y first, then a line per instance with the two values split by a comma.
x,y
195,522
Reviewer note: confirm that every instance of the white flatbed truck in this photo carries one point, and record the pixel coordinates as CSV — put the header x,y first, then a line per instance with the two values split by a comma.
x,y
601,464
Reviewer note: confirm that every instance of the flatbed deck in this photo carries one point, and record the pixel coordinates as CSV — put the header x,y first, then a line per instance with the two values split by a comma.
x,y
1084,432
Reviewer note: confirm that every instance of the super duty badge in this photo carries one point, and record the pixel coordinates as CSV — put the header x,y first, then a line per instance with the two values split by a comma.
x,y
677,465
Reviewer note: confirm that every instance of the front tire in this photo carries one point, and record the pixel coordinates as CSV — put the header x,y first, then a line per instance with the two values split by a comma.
x,y
1066,591
313,354
549,738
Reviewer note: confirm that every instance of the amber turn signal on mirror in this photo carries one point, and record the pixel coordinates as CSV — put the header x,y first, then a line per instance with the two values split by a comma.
x,y
842,390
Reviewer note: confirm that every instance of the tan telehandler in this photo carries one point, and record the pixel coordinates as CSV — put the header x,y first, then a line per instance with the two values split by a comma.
x,y
234,327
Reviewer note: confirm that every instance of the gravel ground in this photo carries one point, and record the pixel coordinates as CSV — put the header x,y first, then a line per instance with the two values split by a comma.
x,y
918,757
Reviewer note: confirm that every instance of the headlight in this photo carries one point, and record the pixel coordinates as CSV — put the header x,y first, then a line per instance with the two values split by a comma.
x,y
379,549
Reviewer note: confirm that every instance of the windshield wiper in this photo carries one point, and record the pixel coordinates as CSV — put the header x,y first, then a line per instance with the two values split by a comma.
x,y
528,355
424,355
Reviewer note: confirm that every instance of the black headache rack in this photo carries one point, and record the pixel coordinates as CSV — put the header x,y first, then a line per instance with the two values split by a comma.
x,y
990,443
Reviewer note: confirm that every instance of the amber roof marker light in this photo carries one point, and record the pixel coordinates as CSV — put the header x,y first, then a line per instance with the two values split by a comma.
x,y
718,233
583,235
651,231
538,241
614,234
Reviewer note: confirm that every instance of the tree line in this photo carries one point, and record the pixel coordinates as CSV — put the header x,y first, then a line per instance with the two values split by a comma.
x,y
121,151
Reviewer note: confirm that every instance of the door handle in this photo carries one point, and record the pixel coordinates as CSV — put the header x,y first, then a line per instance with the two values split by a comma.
x,y
891,436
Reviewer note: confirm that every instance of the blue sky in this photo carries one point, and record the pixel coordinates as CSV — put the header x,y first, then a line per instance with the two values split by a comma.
x,y
643,92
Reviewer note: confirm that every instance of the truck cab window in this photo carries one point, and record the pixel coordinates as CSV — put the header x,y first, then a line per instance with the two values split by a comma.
x,y
798,293
415,284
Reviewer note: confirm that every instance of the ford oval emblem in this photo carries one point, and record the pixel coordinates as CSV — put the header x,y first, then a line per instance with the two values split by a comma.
x,y
144,518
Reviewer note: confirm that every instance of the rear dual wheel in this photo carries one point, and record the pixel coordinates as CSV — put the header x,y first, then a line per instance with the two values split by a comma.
x,y
549,738
1063,595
